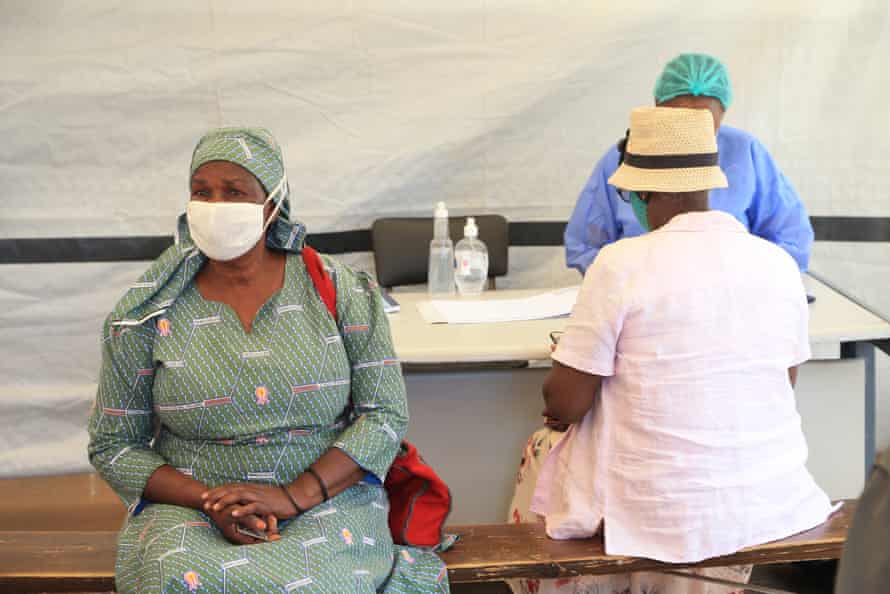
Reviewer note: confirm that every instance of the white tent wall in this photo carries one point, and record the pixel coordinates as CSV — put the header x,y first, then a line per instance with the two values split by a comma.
x,y
384,108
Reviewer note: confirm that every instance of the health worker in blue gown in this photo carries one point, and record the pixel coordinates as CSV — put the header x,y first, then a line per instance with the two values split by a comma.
x,y
759,195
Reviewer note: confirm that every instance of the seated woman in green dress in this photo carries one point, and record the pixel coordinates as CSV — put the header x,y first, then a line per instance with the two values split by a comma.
x,y
223,411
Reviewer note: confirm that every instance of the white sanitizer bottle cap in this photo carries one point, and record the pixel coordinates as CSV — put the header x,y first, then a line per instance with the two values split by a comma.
x,y
441,211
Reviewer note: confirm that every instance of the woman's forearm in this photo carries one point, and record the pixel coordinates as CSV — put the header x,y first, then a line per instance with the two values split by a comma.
x,y
168,485
336,469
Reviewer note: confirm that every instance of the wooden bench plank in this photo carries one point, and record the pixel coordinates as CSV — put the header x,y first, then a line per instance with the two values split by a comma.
x,y
34,503
76,561
57,561
495,552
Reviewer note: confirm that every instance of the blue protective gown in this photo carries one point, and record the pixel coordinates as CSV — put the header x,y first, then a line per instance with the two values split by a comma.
x,y
759,196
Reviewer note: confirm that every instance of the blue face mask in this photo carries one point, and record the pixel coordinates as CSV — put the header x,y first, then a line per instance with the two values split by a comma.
x,y
641,210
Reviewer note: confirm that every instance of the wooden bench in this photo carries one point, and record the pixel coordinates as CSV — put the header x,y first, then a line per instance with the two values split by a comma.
x,y
79,561
63,502
497,552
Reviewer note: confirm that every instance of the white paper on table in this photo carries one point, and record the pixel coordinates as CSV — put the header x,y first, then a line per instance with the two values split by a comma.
x,y
551,304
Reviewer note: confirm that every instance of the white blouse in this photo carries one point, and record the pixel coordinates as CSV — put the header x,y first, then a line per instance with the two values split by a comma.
x,y
694,447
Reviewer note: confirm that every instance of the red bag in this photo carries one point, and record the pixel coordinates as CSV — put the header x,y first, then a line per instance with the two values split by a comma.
x,y
419,501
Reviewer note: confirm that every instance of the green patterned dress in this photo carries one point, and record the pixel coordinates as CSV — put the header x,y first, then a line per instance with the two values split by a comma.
x,y
255,407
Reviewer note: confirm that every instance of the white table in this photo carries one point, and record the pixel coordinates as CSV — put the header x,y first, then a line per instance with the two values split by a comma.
x,y
474,396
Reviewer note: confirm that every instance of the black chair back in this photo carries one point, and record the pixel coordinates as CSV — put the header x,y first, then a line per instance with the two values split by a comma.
x,y
401,246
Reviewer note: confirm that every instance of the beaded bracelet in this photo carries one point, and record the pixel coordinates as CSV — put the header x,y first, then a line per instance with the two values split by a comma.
x,y
321,483
293,501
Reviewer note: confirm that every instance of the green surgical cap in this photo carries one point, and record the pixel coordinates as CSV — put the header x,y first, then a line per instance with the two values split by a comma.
x,y
698,75
254,149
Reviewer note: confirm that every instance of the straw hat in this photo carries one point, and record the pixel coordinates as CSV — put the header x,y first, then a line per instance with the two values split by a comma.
x,y
669,149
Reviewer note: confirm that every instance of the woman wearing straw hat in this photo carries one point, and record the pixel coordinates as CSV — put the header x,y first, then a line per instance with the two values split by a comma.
x,y
276,422
758,194
676,374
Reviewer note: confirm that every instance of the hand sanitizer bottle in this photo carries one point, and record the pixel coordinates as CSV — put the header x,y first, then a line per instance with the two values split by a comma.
x,y
472,261
440,275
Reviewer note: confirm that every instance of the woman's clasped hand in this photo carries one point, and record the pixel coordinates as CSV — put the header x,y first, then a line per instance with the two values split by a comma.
x,y
257,508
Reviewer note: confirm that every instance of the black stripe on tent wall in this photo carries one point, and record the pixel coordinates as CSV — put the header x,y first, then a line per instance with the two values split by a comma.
x,y
522,234
852,229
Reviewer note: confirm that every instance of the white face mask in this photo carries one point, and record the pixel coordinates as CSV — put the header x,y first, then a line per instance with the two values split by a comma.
x,y
226,230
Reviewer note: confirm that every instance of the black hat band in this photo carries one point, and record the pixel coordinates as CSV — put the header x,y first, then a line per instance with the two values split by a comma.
x,y
671,161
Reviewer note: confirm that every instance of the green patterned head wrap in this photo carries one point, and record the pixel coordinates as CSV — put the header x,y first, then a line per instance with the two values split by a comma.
x,y
699,75
254,149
